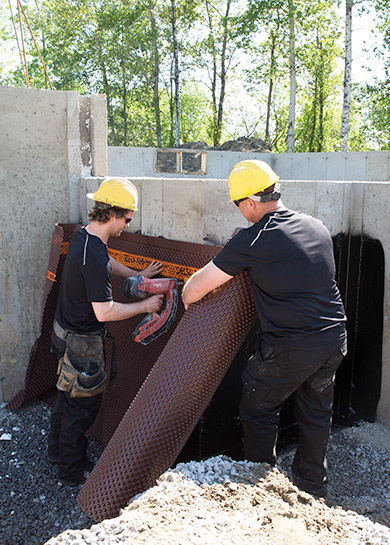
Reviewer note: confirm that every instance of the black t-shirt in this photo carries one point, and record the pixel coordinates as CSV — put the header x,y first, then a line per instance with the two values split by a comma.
x,y
289,259
86,278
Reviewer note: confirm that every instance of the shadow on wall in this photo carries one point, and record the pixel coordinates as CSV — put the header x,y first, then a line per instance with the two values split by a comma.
x,y
360,277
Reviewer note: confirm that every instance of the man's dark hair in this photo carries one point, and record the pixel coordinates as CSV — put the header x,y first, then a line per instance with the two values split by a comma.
x,y
102,212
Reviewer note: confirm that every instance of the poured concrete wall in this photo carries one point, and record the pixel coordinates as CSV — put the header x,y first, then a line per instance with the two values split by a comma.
x,y
49,140
197,211
359,166
53,150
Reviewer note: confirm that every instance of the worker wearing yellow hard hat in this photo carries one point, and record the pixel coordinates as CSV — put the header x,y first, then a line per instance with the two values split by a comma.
x,y
250,177
288,257
84,304
118,192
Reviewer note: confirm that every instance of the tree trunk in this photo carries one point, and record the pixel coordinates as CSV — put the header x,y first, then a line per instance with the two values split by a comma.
x,y
213,78
156,75
124,106
218,103
347,77
270,87
109,105
313,128
171,109
223,73
315,99
291,117
176,61
322,99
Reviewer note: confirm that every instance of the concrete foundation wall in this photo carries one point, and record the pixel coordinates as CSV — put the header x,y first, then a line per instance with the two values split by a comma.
x,y
53,150
359,166
48,142
197,211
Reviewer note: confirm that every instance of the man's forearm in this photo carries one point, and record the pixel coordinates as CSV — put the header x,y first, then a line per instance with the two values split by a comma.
x,y
124,272
121,270
202,282
192,292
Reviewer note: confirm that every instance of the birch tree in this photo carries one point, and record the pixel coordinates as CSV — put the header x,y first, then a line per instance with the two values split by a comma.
x,y
293,82
215,55
176,74
156,76
268,65
347,89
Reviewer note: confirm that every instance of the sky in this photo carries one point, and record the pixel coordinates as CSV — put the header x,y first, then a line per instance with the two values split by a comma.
x,y
363,38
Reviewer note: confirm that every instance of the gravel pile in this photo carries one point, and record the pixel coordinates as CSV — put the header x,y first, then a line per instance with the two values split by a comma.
x,y
217,501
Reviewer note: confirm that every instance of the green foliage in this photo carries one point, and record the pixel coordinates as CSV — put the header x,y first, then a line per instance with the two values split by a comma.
x,y
123,49
374,112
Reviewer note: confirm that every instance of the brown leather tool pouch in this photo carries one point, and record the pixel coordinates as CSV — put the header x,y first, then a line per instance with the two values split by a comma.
x,y
81,370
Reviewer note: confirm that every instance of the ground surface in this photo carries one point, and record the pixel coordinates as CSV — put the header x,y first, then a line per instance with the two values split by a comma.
x,y
217,501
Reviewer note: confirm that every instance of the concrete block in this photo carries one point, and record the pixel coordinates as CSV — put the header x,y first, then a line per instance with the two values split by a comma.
x,y
375,210
317,164
300,166
299,196
329,205
219,218
377,166
336,166
74,163
148,161
183,210
115,160
136,221
152,207
356,210
216,165
282,164
98,135
355,166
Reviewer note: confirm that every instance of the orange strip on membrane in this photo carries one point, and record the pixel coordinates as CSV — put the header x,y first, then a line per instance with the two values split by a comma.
x,y
50,276
140,262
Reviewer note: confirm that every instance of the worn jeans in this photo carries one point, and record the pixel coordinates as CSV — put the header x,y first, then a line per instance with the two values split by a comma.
x,y
272,375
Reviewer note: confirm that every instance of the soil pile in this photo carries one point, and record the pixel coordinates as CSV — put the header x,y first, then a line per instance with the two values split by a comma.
x,y
217,501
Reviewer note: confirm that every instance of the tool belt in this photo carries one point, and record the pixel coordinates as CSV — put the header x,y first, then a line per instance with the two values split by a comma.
x,y
81,370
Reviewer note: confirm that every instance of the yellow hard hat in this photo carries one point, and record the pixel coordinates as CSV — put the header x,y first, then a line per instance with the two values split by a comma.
x,y
250,177
116,192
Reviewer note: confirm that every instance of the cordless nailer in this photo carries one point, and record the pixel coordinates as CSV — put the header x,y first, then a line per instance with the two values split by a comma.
x,y
154,324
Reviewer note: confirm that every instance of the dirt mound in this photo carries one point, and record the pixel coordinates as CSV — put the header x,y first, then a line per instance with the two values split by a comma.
x,y
244,143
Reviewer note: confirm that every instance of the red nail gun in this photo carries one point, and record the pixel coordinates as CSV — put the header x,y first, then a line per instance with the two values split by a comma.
x,y
154,324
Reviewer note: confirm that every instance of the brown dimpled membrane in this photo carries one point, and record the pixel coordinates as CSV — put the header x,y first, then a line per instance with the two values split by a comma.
x,y
161,389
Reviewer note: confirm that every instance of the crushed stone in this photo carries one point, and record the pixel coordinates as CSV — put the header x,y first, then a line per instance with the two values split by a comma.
x,y
217,501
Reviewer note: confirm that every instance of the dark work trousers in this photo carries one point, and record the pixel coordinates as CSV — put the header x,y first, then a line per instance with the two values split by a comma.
x,y
271,376
70,419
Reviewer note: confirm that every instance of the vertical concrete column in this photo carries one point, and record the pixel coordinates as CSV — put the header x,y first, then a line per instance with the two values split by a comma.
x,y
73,154
98,132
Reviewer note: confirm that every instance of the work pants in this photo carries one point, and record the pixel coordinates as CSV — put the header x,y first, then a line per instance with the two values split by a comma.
x,y
70,419
272,375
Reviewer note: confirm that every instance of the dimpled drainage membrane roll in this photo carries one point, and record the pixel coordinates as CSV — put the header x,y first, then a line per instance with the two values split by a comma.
x,y
162,389
171,400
